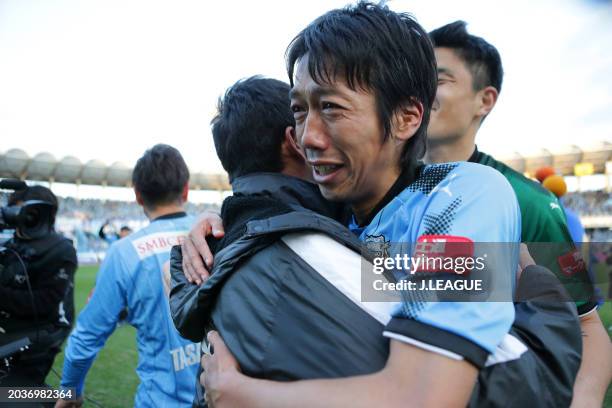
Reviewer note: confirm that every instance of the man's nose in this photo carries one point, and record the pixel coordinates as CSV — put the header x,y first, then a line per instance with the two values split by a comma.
x,y
314,135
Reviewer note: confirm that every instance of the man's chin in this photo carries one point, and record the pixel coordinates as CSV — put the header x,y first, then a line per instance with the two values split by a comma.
x,y
434,139
432,134
331,194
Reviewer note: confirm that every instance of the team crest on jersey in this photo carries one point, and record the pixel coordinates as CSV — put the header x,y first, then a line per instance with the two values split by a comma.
x,y
442,248
378,245
571,263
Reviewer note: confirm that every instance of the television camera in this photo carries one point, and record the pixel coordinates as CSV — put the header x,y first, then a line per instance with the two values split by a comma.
x,y
31,220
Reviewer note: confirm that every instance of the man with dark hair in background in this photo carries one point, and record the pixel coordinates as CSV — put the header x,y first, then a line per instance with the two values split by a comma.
x,y
135,275
36,296
470,78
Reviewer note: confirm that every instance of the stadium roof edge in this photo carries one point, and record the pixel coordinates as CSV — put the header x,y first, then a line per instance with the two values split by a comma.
x,y
16,163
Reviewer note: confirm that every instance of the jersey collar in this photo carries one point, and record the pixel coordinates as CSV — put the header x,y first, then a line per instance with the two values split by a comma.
x,y
178,214
476,156
406,177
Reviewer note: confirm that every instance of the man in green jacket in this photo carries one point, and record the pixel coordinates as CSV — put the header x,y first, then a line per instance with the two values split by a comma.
x,y
469,82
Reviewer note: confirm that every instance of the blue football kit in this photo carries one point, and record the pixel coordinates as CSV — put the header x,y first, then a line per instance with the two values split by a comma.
x,y
449,201
135,275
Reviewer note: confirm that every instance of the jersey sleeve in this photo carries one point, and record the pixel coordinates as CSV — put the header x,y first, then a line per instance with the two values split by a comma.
x,y
97,320
547,236
474,203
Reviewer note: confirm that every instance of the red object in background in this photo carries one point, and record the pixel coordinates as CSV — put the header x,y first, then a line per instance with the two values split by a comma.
x,y
543,172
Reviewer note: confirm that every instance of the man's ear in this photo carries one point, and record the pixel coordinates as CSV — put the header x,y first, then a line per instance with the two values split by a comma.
x,y
139,199
487,99
290,145
407,120
185,192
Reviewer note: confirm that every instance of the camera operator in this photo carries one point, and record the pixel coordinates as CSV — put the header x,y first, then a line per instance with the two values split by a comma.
x,y
37,269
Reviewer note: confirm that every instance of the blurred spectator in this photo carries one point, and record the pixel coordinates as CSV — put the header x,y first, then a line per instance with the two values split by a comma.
x,y
600,235
109,234
589,202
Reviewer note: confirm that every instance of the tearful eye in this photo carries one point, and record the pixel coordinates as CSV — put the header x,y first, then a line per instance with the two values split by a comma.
x,y
328,105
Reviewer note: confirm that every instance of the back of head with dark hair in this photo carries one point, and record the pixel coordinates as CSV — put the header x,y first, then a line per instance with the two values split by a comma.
x,y
35,193
377,50
482,59
250,124
160,176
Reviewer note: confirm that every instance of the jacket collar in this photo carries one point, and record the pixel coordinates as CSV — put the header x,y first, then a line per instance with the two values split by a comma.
x,y
290,190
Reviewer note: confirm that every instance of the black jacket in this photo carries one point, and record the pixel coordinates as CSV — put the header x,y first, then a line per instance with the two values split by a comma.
x,y
51,263
255,275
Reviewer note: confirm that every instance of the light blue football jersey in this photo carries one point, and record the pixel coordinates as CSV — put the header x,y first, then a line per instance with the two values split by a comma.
x,y
462,200
136,274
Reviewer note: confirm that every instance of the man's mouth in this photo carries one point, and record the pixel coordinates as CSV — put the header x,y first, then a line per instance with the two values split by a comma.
x,y
324,170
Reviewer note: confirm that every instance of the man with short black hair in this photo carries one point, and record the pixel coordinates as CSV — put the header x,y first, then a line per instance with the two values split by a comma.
x,y
470,76
135,275
252,107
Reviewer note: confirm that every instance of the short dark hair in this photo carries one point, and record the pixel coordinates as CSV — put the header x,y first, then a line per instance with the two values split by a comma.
x,y
160,175
35,193
250,124
482,59
375,49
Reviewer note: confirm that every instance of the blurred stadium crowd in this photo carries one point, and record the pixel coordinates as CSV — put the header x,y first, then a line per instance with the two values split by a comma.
x,y
589,203
81,219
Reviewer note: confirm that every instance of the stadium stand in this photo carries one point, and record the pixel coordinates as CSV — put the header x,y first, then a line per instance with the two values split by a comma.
x,y
589,202
595,211
81,219
44,166
600,235
563,159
